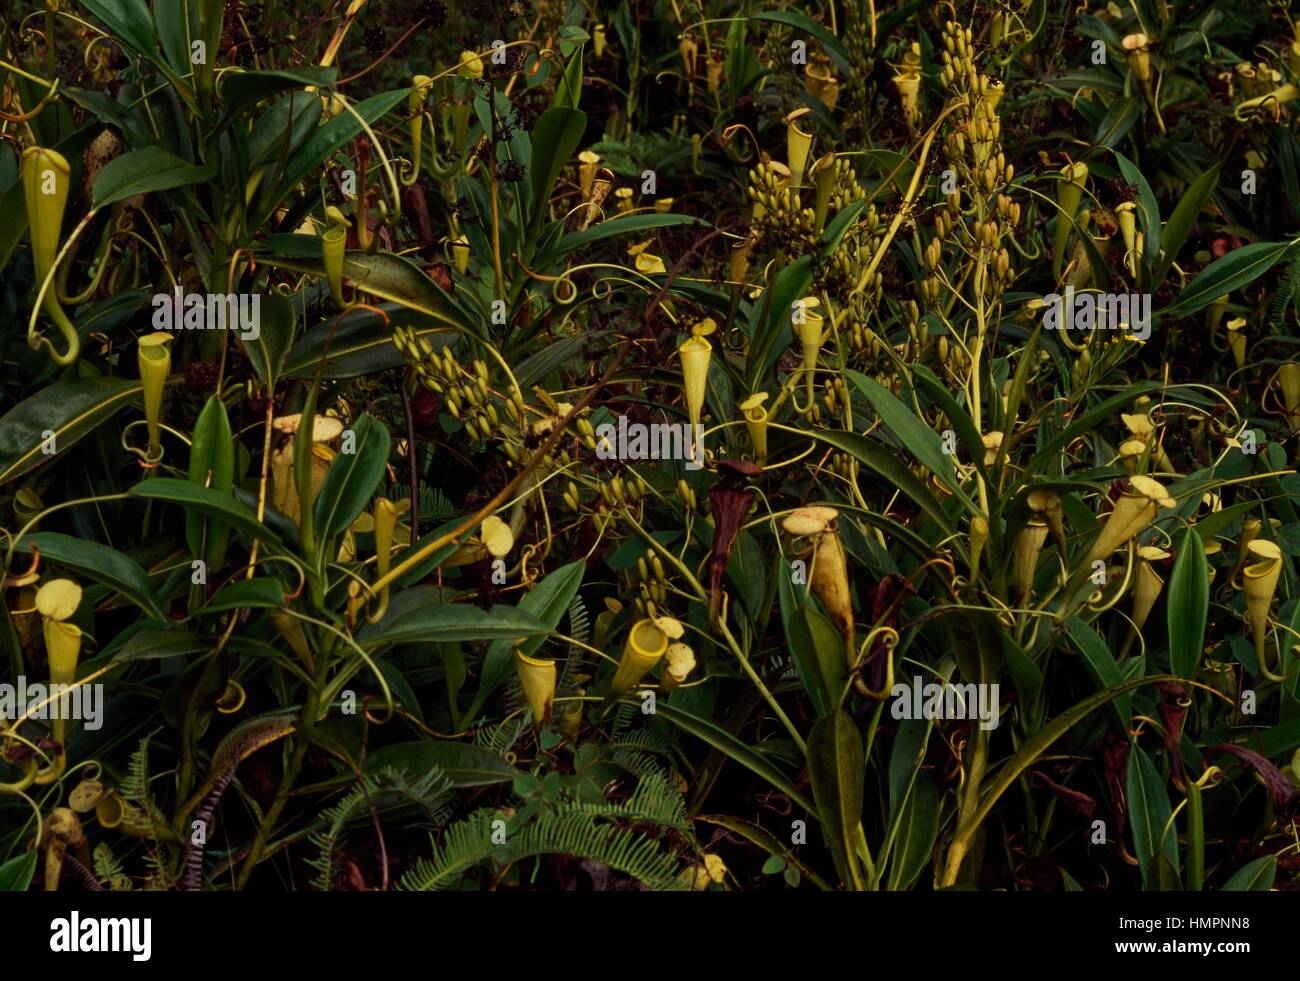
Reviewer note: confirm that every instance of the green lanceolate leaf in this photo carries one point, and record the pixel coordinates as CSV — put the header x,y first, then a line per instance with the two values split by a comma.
x,y
1238,268
1147,207
353,476
390,278
1154,835
1034,747
817,650
1183,217
212,464
329,137
769,326
765,840
1188,605
211,502
442,622
361,342
611,227
40,428
465,764
734,749
1088,420
269,349
835,767
1255,876
16,874
242,89
555,139
918,830
260,592
118,572
130,21
144,172
915,436
801,21
1101,664
887,464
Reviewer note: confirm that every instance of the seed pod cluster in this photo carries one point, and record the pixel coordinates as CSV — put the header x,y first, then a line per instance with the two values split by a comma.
x,y
650,584
466,390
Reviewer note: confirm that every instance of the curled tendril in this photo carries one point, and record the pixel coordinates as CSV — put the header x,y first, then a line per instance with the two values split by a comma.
x,y
730,132
1212,777
147,461
564,279
23,117
1095,598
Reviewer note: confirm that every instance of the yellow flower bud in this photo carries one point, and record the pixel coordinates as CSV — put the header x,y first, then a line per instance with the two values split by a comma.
x,y
471,65
992,444
979,536
497,536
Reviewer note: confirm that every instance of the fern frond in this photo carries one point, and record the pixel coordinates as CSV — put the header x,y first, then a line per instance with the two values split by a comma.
x,y
465,844
655,801
645,740
627,711
468,844
639,764
1288,293
499,739
594,831
579,630
108,869
633,853
432,793
135,785
434,505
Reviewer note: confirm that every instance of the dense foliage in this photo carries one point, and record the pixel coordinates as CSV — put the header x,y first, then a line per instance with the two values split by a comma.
x,y
554,444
